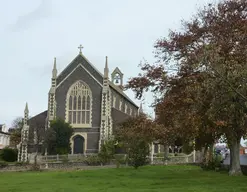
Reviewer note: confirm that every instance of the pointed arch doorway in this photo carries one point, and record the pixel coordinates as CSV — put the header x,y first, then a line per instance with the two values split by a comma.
x,y
78,144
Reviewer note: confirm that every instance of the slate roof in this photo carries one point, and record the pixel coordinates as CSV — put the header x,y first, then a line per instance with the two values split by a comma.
x,y
112,85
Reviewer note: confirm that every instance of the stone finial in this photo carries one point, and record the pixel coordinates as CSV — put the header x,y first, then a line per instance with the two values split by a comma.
x,y
106,69
140,109
26,111
54,71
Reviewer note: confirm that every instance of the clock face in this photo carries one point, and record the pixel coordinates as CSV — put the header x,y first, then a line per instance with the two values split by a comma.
x,y
117,79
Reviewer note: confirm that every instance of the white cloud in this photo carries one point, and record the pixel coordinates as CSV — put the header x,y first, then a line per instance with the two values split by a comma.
x,y
43,10
125,31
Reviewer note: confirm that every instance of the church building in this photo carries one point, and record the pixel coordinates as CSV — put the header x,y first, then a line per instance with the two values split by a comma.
x,y
91,102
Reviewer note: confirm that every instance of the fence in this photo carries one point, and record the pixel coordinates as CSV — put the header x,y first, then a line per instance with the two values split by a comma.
x,y
180,159
174,160
62,158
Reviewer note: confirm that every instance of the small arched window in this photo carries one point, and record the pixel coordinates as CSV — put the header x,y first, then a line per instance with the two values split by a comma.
x,y
79,105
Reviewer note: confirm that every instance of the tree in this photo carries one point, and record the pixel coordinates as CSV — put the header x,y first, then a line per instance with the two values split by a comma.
x,y
213,44
57,137
136,134
15,136
8,154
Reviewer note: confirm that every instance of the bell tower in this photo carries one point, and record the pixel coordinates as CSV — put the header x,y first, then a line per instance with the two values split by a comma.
x,y
117,78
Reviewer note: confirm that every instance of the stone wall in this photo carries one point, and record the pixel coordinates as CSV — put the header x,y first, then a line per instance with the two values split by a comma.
x,y
52,166
14,167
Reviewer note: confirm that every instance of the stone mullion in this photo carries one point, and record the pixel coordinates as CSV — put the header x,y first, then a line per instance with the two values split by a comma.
x,y
81,106
76,116
72,111
85,113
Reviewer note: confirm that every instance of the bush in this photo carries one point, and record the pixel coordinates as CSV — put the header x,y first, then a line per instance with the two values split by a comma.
x,y
65,159
212,165
35,167
93,160
21,163
187,148
107,152
120,159
3,164
8,154
139,153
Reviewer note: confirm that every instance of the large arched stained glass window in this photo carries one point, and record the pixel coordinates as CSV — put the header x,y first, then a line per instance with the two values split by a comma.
x,y
79,105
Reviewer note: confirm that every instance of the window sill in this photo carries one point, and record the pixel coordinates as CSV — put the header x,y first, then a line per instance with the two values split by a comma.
x,y
81,125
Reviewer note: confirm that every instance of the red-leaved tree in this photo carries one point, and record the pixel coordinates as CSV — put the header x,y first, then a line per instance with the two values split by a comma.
x,y
208,94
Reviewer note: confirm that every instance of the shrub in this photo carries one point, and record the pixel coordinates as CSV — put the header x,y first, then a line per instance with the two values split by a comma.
x,y
93,160
35,167
138,154
21,163
8,154
120,159
107,151
3,164
65,159
213,164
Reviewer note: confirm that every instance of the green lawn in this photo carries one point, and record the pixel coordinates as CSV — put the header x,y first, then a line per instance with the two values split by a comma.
x,y
150,178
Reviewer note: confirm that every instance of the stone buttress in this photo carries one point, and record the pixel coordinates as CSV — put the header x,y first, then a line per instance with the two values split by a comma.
x,y
51,115
106,119
23,146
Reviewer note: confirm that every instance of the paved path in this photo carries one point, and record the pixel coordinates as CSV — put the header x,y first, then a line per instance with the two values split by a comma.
x,y
243,160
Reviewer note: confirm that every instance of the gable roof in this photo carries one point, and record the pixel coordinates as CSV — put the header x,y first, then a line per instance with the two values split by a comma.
x,y
111,84
117,70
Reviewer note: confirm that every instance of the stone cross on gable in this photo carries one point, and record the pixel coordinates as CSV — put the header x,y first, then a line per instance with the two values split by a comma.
x,y
80,48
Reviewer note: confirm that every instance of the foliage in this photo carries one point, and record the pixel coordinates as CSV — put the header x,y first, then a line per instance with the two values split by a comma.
x,y
135,135
107,151
21,163
139,153
188,148
17,123
207,97
35,167
8,154
3,164
120,159
15,136
93,160
140,127
57,139
213,164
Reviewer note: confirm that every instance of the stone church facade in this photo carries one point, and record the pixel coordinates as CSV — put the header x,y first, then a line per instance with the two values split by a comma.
x,y
89,100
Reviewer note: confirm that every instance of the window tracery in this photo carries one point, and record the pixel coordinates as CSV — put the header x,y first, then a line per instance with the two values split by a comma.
x,y
79,104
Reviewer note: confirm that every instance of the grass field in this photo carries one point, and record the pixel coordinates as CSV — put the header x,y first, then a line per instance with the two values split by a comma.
x,y
150,178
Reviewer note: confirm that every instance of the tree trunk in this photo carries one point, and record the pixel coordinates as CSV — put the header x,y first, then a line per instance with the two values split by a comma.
x,y
205,152
235,168
166,153
210,153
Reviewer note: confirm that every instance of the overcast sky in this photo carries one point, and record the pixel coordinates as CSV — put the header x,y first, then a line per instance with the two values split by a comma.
x,y
33,32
